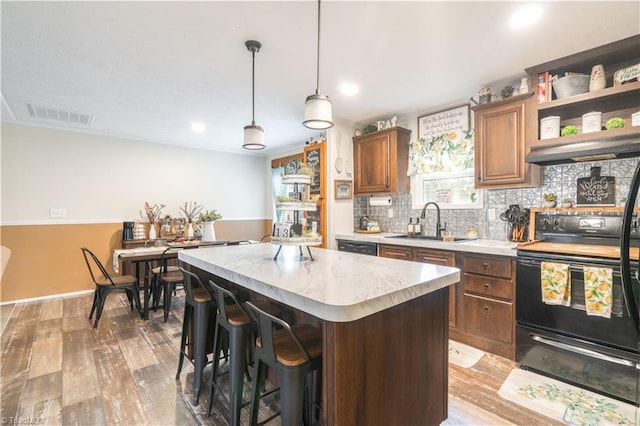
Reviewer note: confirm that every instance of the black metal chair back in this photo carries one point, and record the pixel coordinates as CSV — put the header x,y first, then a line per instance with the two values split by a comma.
x,y
96,262
189,285
267,324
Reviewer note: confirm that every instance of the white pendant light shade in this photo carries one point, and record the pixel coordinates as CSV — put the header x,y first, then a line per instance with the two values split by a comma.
x,y
317,112
253,137
317,108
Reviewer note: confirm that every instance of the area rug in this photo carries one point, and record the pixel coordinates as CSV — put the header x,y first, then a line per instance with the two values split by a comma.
x,y
463,355
563,402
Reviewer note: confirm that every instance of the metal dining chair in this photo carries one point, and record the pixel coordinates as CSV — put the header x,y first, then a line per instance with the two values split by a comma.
x,y
106,284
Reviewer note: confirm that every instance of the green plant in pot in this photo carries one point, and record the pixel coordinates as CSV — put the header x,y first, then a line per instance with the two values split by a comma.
x,y
549,199
615,123
209,216
569,130
506,91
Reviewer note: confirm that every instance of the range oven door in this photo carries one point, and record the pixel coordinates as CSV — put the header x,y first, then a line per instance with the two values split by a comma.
x,y
599,368
618,331
564,342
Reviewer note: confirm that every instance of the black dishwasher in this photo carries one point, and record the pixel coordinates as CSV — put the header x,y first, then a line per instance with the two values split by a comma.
x,y
358,247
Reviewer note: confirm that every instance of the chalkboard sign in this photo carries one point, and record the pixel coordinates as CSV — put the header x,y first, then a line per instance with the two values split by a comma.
x,y
314,161
596,190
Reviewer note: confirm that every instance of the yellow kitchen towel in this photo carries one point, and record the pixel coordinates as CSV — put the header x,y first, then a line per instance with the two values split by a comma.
x,y
555,281
598,291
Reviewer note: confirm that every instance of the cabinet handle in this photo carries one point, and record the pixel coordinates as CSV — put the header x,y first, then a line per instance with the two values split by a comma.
x,y
486,285
485,265
479,178
485,308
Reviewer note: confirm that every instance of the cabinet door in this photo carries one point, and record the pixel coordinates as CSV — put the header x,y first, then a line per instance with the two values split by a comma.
x,y
501,144
371,159
394,252
489,318
446,258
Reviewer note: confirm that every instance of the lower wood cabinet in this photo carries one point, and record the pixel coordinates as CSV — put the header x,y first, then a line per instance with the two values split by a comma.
x,y
482,304
426,255
488,303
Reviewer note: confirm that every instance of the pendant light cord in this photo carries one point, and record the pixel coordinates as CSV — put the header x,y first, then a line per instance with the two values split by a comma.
x,y
318,58
253,87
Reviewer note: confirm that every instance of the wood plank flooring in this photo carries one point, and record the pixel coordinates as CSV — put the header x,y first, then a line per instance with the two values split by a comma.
x,y
57,369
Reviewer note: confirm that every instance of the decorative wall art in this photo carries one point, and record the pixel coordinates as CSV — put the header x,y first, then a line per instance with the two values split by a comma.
x,y
343,189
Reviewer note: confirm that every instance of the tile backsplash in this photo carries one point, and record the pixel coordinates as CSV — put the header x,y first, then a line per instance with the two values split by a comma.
x,y
560,179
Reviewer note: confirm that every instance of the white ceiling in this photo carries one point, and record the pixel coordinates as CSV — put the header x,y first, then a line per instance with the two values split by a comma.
x,y
147,70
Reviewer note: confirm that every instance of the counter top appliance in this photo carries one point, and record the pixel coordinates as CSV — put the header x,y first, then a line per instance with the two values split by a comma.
x,y
564,342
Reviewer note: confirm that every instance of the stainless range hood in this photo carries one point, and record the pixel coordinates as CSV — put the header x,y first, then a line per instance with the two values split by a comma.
x,y
584,151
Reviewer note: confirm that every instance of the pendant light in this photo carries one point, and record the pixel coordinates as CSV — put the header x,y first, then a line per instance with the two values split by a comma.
x,y
317,108
253,134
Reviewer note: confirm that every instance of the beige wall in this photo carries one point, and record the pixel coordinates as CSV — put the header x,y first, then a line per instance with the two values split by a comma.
x,y
101,182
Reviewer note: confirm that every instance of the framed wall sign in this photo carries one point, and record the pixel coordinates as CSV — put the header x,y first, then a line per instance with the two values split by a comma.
x,y
343,189
438,123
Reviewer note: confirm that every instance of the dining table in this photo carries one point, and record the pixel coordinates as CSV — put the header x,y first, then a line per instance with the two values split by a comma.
x,y
141,260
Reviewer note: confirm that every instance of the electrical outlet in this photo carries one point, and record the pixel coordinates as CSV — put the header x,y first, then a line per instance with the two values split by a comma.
x,y
491,214
389,212
54,213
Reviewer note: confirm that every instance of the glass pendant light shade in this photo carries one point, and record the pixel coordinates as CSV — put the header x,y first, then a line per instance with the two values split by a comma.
x,y
317,112
253,137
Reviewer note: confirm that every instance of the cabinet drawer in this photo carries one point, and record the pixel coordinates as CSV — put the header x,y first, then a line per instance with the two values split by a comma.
x,y
394,252
487,286
489,318
485,265
438,257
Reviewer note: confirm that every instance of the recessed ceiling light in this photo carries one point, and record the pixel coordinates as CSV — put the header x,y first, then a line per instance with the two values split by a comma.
x,y
349,89
197,127
525,16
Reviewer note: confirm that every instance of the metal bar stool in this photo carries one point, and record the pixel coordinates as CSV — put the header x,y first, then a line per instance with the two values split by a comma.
x,y
166,279
233,320
294,353
198,302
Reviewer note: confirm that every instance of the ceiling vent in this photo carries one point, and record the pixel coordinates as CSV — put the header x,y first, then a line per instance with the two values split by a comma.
x,y
66,117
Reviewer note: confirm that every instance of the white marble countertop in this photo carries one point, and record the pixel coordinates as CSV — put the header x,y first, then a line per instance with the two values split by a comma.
x,y
495,247
336,286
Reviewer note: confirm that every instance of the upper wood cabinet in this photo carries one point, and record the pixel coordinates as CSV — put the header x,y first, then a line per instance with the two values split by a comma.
x,y
380,161
502,129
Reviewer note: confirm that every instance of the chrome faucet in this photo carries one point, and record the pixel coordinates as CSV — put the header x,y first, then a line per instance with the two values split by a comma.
x,y
439,228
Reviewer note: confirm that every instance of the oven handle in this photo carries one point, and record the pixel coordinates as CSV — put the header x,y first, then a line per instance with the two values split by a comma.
x,y
583,351
575,268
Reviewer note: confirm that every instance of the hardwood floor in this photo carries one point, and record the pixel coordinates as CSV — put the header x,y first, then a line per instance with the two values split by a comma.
x,y
56,369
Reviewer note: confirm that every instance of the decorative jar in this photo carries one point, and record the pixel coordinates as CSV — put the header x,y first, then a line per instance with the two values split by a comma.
x,y
592,122
550,127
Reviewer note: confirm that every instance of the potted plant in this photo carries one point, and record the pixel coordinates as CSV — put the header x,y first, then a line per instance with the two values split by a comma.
x,y
207,219
569,130
567,202
549,199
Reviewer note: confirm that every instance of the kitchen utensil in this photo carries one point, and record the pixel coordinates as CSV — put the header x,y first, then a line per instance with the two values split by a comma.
x,y
339,163
364,223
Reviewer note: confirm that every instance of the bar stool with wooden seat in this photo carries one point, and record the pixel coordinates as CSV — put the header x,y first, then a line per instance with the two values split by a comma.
x,y
294,353
198,303
166,278
233,320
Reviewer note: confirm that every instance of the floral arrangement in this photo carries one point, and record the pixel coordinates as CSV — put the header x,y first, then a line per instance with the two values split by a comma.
x,y
209,216
448,152
190,210
153,212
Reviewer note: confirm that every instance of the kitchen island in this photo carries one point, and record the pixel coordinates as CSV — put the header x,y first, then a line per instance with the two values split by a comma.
x,y
384,324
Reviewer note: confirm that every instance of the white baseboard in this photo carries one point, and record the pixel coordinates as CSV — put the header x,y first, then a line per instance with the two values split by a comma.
x,y
52,296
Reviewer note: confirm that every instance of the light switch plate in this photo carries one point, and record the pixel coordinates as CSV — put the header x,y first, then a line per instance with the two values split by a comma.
x,y
54,213
389,212
491,214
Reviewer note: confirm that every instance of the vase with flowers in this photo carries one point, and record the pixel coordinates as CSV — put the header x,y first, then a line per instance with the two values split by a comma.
x,y
190,211
208,219
153,214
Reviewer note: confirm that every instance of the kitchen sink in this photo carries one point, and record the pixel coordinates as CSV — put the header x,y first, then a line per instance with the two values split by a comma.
x,y
427,237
